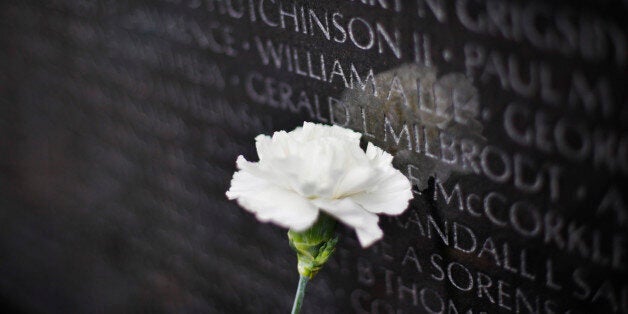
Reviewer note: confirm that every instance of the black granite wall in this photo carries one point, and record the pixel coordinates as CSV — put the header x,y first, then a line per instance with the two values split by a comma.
x,y
120,123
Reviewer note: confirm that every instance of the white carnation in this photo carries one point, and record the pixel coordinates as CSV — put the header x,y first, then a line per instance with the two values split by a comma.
x,y
320,167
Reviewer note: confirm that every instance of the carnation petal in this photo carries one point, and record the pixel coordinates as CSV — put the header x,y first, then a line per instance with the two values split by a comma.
x,y
390,197
264,146
270,202
254,168
378,156
355,180
353,215
353,136
312,131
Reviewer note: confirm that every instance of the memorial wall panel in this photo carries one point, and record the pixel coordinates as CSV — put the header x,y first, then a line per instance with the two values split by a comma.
x,y
121,120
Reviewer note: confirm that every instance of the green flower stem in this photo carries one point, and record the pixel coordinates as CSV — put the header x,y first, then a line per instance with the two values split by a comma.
x,y
313,246
298,298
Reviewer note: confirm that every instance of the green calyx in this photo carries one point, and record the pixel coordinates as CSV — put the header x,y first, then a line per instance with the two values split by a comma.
x,y
315,245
